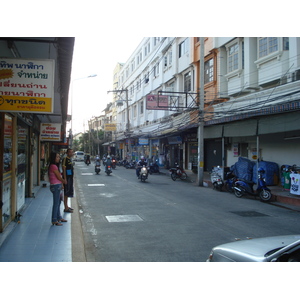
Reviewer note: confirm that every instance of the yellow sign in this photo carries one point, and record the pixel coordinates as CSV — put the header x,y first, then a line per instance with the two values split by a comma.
x,y
27,85
25,104
110,127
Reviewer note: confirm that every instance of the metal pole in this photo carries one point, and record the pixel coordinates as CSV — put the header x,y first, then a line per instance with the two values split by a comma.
x,y
201,116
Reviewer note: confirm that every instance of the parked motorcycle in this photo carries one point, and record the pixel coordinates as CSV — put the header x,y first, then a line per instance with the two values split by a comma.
x,y
154,168
230,180
108,170
130,165
243,187
143,173
216,179
177,172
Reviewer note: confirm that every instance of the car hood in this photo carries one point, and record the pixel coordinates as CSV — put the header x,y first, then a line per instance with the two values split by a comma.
x,y
257,247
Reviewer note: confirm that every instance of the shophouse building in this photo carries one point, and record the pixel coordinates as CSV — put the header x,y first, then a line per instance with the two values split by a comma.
x,y
34,88
251,104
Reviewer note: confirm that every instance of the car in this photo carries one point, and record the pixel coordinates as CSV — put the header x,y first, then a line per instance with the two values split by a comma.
x,y
78,156
284,248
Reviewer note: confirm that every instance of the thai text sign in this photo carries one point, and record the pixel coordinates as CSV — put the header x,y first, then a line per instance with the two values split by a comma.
x,y
26,85
110,127
157,102
50,132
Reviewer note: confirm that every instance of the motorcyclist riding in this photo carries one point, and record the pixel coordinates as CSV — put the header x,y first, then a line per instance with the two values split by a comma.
x,y
97,164
142,162
107,162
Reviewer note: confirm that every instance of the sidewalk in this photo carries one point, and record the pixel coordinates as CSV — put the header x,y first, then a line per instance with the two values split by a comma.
x,y
34,239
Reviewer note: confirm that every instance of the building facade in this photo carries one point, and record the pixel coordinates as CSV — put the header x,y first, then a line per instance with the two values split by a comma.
x,y
251,104
34,86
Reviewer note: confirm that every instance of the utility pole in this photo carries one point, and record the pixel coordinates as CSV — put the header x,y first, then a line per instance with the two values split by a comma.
x,y
201,116
127,132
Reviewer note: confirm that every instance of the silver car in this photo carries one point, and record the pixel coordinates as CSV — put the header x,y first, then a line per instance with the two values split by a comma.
x,y
269,249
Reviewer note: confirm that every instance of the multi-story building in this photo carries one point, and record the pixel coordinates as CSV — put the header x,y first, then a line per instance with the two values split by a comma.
x,y
251,105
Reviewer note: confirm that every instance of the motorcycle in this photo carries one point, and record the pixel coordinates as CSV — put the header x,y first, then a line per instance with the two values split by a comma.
x,y
230,181
216,179
154,168
97,169
87,161
114,163
143,174
130,165
243,187
108,170
177,172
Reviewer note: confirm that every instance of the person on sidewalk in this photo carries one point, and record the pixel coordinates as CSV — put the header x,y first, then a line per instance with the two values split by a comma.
x,y
68,172
56,181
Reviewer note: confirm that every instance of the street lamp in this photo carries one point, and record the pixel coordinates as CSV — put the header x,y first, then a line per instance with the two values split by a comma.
x,y
72,84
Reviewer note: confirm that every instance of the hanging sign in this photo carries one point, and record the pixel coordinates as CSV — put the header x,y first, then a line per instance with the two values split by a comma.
x,y
110,127
26,85
157,102
50,132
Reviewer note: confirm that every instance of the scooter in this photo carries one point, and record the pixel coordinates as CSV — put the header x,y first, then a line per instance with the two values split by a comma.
x,y
230,180
114,163
97,169
143,174
216,179
108,170
177,172
154,168
243,187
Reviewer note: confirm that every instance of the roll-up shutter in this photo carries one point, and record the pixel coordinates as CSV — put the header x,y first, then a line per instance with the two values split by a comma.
x,y
279,123
211,132
241,128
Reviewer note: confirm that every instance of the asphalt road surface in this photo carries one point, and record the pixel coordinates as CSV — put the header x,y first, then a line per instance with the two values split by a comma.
x,y
125,220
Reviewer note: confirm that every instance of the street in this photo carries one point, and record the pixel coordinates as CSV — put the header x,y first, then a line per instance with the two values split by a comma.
x,y
125,220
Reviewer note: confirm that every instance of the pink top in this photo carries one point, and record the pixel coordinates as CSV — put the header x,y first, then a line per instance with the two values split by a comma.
x,y
52,177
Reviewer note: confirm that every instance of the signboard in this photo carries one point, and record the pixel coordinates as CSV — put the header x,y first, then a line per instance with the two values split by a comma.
x,y
157,102
50,132
26,85
110,127
143,141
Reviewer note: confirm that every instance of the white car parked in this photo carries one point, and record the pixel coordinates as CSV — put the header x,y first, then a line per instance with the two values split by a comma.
x,y
269,249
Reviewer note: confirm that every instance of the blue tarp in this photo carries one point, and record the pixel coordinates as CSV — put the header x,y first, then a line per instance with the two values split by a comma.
x,y
271,172
243,168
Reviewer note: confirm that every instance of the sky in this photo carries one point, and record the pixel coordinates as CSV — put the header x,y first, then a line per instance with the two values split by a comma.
x,y
95,56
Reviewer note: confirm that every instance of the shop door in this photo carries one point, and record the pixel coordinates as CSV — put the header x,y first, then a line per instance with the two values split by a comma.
x,y
212,154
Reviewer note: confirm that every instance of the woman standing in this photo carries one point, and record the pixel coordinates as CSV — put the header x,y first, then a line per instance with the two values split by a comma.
x,y
56,181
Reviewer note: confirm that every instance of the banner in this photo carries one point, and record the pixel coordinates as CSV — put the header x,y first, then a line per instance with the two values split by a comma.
x,y
26,85
50,132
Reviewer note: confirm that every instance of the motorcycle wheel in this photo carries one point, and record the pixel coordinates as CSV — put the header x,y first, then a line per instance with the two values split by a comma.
x,y
217,186
238,193
228,188
265,195
183,176
173,176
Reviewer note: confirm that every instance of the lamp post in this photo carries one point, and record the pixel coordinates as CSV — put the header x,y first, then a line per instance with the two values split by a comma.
x,y
72,100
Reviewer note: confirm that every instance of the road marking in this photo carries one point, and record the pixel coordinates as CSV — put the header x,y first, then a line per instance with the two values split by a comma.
x,y
87,173
96,184
123,218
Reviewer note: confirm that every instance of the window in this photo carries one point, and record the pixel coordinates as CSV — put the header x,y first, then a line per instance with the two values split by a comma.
x,y
209,71
233,57
141,107
168,59
156,69
267,45
134,111
183,48
187,82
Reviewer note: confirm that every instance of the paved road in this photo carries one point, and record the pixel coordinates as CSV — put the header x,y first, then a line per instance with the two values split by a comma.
x,y
161,220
